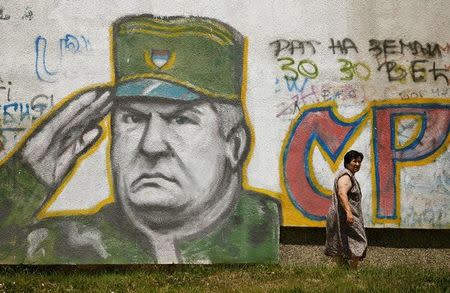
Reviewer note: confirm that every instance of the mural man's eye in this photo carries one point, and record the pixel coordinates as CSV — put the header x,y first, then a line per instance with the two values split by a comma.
x,y
182,120
132,119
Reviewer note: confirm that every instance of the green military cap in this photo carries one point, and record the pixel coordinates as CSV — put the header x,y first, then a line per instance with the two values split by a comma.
x,y
181,58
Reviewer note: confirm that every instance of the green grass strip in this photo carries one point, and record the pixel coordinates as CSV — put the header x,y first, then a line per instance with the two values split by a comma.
x,y
221,278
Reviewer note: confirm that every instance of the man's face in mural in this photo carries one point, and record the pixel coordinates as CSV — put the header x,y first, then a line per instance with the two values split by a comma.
x,y
167,156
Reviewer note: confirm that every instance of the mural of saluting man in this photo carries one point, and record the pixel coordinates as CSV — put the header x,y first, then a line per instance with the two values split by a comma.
x,y
179,141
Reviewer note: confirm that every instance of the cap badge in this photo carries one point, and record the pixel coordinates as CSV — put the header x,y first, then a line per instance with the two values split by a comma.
x,y
159,59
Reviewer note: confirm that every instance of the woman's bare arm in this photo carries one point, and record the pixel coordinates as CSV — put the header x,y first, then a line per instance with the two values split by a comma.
x,y
344,186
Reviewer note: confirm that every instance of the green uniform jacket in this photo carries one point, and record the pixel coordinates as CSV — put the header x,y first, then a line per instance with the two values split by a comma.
x,y
249,235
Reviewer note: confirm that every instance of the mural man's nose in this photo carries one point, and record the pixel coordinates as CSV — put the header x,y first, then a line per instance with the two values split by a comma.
x,y
154,137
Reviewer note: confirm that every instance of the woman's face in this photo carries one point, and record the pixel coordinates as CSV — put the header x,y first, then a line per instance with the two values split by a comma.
x,y
354,165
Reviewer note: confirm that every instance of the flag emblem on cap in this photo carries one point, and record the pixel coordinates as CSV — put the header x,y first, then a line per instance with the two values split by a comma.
x,y
159,59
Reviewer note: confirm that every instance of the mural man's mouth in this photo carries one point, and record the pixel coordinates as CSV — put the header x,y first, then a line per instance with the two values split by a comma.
x,y
156,180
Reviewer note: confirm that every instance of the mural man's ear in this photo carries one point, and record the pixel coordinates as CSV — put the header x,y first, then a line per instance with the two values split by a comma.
x,y
237,146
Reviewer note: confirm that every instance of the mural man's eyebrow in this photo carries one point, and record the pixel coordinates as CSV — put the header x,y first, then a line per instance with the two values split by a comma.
x,y
130,109
182,108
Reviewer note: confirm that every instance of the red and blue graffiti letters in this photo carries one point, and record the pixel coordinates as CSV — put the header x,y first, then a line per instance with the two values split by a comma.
x,y
315,126
432,125
404,134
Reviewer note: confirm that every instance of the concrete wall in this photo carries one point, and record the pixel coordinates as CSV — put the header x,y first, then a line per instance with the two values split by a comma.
x,y
313,80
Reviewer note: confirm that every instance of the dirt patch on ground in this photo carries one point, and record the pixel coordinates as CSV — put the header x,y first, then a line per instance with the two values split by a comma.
x,y
376,256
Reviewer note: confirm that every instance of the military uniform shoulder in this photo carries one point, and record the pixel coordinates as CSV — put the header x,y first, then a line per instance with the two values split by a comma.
x,y
260,202
254,195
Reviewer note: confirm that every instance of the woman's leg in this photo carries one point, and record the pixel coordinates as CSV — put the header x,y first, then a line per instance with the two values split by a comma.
x,y
340,261
354,263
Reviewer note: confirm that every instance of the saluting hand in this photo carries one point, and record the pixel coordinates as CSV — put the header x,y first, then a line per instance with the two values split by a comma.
x,y
53,148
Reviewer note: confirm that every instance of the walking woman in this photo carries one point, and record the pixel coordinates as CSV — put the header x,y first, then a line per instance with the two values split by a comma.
x,y
346,239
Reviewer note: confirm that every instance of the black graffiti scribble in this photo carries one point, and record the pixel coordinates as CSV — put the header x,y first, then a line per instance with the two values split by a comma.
x,y
397,71
343,46
293,46
389,48
7,88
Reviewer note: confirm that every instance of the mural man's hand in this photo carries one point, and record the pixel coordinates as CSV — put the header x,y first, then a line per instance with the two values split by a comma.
x,y
54,147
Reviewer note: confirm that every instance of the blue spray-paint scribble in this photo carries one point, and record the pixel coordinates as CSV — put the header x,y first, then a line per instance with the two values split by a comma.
x,y
42,73
69,43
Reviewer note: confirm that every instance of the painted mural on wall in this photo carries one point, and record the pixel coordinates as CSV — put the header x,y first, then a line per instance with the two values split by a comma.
x,y
234,118
178,140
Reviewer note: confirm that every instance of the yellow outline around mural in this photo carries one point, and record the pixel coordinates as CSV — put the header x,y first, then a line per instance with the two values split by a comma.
x,y
245,183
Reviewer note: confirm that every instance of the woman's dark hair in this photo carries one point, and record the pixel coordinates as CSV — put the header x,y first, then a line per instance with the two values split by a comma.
x,y
350,155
